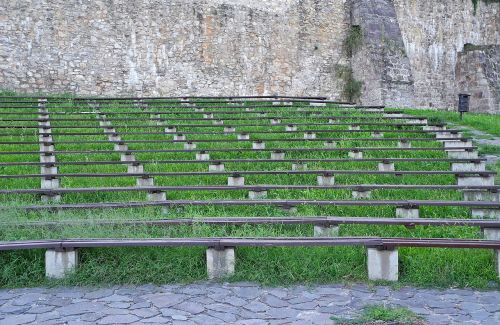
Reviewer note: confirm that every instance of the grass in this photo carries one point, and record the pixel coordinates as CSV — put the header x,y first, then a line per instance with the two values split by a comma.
x,y
380,314
487,123
272,266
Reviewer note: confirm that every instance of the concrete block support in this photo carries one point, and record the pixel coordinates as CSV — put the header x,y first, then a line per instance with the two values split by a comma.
x,y
145,181
257,195
317,104
277,155
156,196
480,195
457,143
49,183
236,180
229,129
377,135
170,129
290,128
46,147
257,145
479,166
120,147
179,137
299,166
216,167
47,158
114,137
383,264
309,135
243,136
361,194
404,144
249,109
189,145
217,122
355,154
330,144
220,262
386,166
488,180
275,121
407,212
326,231
135,168
332,121
127,157
326,180
448,135
199,109
354,127
202,155
485,213
462,154
48,169
434,127
60,263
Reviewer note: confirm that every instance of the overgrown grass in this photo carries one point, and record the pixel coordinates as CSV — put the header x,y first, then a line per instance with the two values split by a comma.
x,y
483,122
275,266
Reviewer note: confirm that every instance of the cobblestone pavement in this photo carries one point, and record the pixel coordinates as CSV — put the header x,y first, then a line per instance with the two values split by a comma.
x,y
239,303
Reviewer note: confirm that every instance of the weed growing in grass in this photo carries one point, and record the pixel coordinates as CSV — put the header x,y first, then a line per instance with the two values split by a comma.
x,y
381,314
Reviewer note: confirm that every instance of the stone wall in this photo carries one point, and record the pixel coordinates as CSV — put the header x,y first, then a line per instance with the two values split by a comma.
x,y
160,47
248,47
478,74
434,32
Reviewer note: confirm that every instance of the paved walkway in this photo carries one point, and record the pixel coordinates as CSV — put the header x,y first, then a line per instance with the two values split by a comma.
x,y
240,303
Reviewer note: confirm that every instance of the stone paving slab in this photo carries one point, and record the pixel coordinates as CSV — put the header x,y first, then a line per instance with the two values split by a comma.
x,y
238,303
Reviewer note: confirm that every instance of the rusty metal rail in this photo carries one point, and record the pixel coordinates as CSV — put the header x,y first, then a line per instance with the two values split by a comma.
x,y
238,221
377,242
327,172
174,161
263,202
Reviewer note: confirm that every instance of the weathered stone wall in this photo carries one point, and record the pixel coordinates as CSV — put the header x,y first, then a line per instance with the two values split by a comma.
x,y
434,32
247,47
205,47
381,61
478,74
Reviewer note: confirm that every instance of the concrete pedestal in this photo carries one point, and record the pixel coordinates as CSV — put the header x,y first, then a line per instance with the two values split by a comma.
x,y
462,154
479,166
46,148
275,121
236,181
49,183
189,145
48,169
476,180
216,167
47,158
485,213
145,181
114,137
361,194
457,143
105,123
404,144
257,145
326,231
170,129
217,122
229,129
330,144
326,180
156,196
202,156
309,135
135,169
354,127
383,264
355,154
127,157
290,128
120,147
179,137
299,166
243,136
407,213
332,121
277,155
257,195
59,263
220,262
208,115
386,167
377,135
